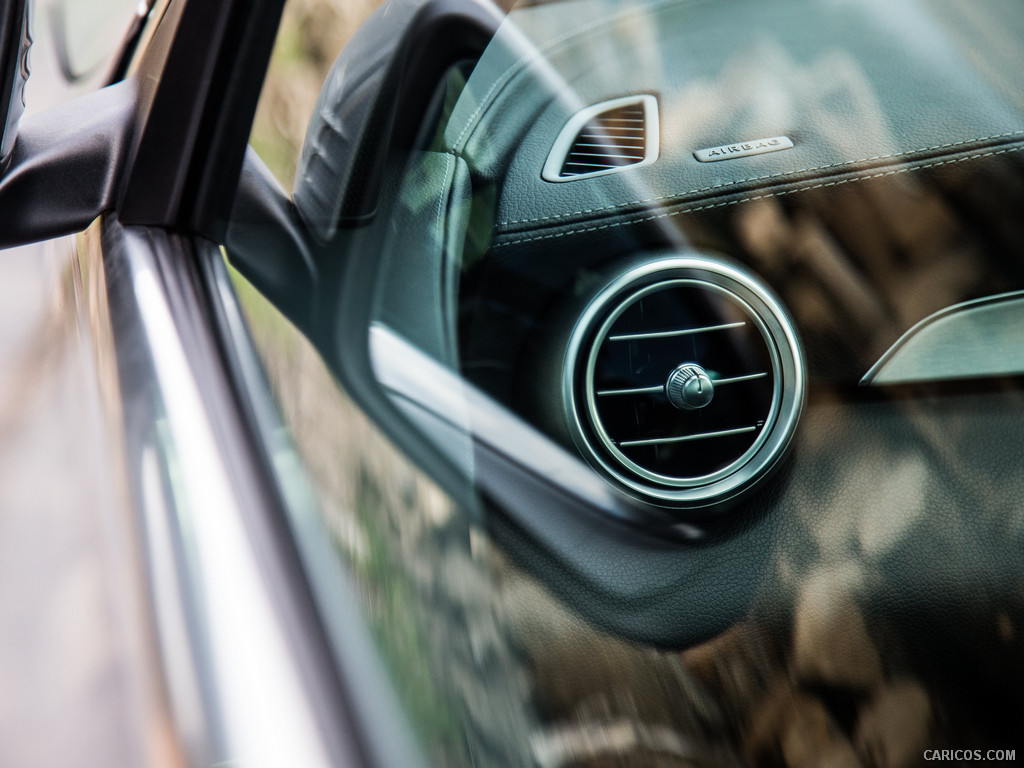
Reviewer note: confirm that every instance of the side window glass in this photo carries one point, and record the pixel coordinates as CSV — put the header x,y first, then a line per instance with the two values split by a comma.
x,y
655,365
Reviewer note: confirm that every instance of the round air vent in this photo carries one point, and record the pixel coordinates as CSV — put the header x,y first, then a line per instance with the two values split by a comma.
x,y
684,380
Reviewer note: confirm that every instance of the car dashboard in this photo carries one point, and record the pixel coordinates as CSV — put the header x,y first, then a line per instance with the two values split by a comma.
x,y
748,280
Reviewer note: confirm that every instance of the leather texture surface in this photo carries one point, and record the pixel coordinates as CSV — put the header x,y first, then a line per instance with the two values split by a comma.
x,y
857,258
854,86
922,497
419,292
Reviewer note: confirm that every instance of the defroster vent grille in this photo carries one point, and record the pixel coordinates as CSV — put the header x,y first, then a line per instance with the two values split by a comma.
x,y
605,138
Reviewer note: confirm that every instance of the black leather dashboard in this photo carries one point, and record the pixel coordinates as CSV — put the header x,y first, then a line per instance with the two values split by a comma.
x,y
898,198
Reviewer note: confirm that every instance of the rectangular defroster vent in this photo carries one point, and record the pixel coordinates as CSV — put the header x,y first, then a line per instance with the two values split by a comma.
x,y
605,138
612,139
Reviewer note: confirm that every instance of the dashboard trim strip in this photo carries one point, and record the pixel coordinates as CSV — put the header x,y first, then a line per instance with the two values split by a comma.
x,y
972,339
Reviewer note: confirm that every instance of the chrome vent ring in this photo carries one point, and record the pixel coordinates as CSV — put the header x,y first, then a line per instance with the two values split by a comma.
x,y
683,380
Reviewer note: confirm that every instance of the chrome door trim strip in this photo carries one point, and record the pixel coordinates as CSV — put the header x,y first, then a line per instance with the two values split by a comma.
x,y
235,642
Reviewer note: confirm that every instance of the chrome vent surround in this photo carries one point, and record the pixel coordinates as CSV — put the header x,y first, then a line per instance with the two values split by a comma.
x,y
638,370
605,138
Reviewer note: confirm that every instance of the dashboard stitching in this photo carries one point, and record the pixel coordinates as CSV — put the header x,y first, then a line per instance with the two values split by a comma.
x,y
439,213
761,197
514,69
762,178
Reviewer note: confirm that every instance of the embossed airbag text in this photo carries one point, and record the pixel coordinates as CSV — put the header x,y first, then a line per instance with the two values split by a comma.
x,y
743,149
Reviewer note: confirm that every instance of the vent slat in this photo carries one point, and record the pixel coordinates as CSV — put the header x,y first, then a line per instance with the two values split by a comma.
x,y
613,133
680,332
632,391
660,388
687,438
604,155
739,379
606,139
607,144
583,156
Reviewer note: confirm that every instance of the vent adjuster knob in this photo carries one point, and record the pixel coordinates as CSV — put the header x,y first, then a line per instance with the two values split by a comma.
x,y
689,387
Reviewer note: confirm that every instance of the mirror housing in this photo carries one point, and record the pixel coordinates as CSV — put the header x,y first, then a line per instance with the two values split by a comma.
x,y
15,40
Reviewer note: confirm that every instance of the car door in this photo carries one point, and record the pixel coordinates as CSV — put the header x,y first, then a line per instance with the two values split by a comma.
x,y
146,628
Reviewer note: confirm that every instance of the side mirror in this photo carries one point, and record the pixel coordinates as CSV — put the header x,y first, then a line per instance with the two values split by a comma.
x,y
58,170
15,39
